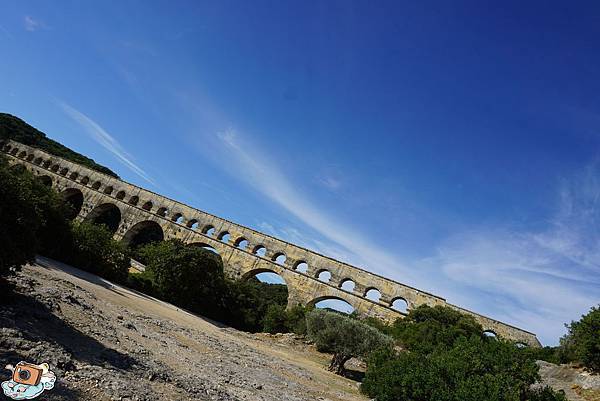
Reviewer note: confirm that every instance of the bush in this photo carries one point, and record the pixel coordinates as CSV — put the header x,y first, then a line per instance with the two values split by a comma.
x,y
189,277
94,250
31,218
426,328
343,336
248,302
583,340
278,319
474,369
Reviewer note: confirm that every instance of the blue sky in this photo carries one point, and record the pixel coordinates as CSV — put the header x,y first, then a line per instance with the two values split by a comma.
x,y
450,145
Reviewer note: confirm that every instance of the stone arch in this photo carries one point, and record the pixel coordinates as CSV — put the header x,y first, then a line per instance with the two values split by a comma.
x,y
14,151
134,200
45,179
107,214
64,171
38,161
241,243
162,211
74,198
55,168
178,218
96,185
260,250
108,190
209,230
279,258
22,155
147,206
30,157
399,304
85,180
206,246
301,266
224,236
490,333
373,294
142,233
348,284
318,303
74,175
193,224
120,195
323,275
47,164
7,148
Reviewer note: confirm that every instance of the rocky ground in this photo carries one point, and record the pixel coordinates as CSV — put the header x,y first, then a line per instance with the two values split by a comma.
x,y
105,342
577,384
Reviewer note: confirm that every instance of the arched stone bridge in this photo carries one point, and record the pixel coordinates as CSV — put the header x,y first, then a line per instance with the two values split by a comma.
x,y
134,213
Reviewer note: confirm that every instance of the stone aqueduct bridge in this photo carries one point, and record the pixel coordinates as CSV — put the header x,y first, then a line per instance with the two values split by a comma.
x,y
245,252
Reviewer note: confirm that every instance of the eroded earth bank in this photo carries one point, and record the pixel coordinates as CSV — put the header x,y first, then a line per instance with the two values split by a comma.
x,y
105,342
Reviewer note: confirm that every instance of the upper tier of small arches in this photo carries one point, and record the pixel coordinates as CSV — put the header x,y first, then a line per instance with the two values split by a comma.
x,y
225,235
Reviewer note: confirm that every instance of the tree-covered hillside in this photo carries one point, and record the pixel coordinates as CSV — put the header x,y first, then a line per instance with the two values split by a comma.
x,y
14,128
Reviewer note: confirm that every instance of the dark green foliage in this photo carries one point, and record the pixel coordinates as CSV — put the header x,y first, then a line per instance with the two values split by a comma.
x,y
583,340
95,250
426,328
548,354
344,337
31,218
249,300
278,319
14,128
448,358
190,277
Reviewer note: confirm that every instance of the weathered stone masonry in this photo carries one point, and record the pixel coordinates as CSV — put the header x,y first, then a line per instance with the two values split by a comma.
x,y
140,208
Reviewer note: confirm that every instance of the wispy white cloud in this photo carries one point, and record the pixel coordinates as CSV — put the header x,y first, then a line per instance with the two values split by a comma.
x,y
537,280
265,176
100,135
31,24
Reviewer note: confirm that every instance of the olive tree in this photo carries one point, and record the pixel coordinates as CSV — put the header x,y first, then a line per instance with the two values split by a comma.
x,y
344,337
583,339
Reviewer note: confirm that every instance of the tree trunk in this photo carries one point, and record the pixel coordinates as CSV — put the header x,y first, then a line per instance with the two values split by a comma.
x,y
337,364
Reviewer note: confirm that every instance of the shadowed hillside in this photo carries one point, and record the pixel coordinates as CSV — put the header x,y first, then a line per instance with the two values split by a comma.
x,y
14,128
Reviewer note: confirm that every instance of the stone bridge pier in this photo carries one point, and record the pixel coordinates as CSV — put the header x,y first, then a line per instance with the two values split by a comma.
x,y
135,214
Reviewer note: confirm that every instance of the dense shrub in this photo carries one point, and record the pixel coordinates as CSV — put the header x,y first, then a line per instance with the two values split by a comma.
x,y
583,340
190,277
248,302
343,336
31,218
474,369
278,319
448,358
426,328
95,250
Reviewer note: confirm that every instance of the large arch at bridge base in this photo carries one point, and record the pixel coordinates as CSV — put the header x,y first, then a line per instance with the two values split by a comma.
x,y
143,233
107,214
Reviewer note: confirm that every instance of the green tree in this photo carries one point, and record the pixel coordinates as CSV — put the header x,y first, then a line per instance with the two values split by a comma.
x,y
187,276
32,218
343,336
95,250
280,319
425,328
447,357
473,369
583,340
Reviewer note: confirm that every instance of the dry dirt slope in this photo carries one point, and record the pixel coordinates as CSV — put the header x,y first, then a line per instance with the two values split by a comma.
x,y
108,343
